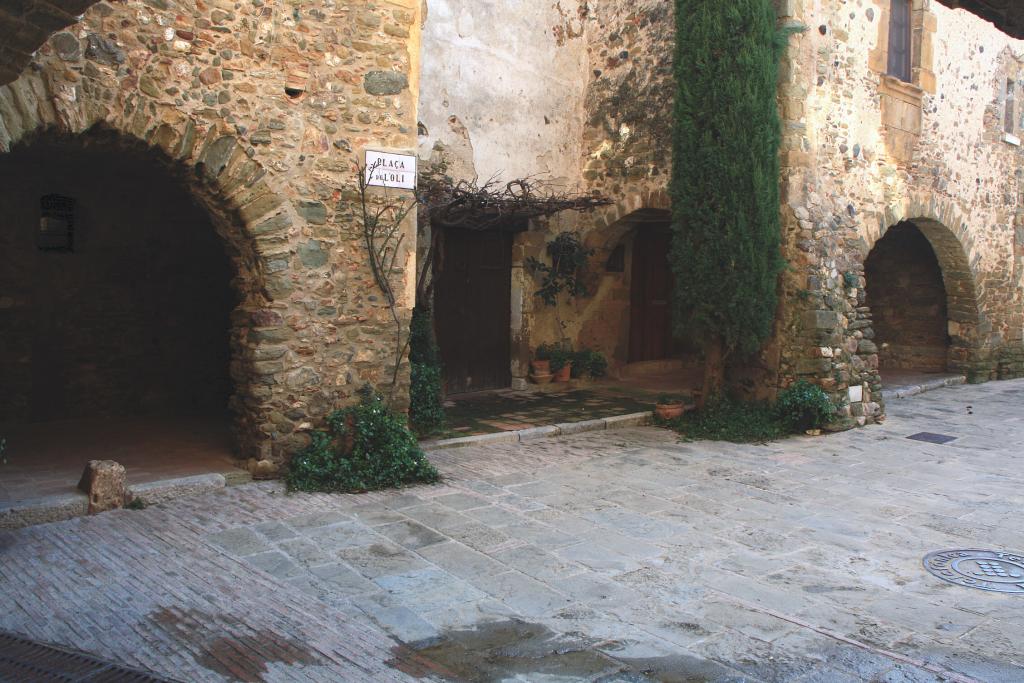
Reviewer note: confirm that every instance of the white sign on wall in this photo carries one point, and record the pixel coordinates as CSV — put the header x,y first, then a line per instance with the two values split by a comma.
x,y
397,171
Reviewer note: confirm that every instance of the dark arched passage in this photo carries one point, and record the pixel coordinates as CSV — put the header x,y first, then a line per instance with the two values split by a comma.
x,y
115,315
909,303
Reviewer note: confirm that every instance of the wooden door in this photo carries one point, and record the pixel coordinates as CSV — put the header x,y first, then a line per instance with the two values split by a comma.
x,y
650,332
473,309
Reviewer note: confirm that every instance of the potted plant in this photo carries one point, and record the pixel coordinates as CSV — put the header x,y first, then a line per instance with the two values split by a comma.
x,y
540,366
541,363
669,407
561,364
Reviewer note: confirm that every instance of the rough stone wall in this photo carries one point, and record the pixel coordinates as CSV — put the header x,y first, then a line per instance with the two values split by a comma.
x,y
261,109
863,152
628,138
26,25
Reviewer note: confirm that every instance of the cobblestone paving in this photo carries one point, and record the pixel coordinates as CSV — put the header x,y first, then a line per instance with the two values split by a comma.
x,y
612,556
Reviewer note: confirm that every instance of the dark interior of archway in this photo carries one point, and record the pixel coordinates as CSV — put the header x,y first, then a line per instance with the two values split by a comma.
x,y
907,298
134,321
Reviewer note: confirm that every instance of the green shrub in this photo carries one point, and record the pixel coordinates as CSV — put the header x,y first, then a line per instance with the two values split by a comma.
x,y
728,419
426,400
368,448
804,406
426,407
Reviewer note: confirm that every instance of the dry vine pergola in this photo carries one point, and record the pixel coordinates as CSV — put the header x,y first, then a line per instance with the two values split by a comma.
x,y
494,205
446,203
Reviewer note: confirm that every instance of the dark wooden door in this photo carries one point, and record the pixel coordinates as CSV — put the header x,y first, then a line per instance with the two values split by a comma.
x,y
650,330
473,309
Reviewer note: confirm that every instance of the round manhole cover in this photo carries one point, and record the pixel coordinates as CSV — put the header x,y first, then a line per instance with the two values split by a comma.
x,y
987,570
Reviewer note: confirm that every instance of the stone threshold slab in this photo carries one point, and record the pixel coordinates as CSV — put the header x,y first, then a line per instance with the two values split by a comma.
x,y
915,389
545,432
64,506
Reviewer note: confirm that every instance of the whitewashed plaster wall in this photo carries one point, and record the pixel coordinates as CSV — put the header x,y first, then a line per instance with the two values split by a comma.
x,y
502,88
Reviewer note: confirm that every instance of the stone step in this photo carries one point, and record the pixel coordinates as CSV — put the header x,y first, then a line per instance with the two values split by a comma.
x,y
905,391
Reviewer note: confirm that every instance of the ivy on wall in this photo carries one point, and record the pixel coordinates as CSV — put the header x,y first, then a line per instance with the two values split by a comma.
x,y
725,179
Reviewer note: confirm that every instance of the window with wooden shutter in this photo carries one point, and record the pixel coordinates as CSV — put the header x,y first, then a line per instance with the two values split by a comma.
x,y
900,40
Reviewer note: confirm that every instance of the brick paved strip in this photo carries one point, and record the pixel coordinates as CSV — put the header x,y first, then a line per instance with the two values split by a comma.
x,y
143,589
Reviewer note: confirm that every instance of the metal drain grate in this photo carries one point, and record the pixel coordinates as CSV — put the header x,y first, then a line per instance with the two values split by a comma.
x,y
987,570
26,660
929,437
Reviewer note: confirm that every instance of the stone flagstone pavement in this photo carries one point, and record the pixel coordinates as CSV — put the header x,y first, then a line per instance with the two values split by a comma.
x,y
614,556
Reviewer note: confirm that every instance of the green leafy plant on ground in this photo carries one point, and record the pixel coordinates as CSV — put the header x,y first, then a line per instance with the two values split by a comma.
x,y
426,400
369,447
727,419
804,406
801,407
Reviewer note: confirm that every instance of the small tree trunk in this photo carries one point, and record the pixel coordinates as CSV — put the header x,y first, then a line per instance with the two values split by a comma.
x,y
714,370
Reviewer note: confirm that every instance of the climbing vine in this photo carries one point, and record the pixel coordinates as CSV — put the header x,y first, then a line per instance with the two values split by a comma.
x,y
382,219
565,272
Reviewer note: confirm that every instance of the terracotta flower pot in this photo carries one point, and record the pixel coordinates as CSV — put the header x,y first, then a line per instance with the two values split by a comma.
x,y
564,374
541,378
540,367
669,411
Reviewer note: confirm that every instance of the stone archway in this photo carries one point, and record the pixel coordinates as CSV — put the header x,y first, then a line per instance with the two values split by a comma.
x,y
220,175
924,298
252,112
626,318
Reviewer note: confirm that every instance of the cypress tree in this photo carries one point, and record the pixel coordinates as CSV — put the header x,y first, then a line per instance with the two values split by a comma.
x,y
725,252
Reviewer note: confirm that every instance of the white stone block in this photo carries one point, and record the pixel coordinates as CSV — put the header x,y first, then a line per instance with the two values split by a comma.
x,y
856,394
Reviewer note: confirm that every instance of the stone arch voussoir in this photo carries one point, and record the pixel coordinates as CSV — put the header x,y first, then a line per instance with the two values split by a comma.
x,y
610,221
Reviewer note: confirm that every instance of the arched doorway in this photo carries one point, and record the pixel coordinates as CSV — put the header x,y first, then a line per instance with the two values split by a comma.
x,y
907,295
115,303
630,316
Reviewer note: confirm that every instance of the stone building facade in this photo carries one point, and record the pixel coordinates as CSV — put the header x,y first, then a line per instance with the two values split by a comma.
x,y
256,113
259,111
933,156
875,164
